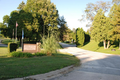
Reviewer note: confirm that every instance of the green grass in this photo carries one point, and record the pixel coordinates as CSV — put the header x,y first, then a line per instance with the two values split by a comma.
x,y
22,67
3,51
93,46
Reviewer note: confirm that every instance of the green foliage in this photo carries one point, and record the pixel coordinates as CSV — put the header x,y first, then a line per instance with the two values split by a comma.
x,y
98,26
40,54
36,20
50,45
21,54
6,19
6,41
80,37
3,29
12,47
87,37
21,5
115,22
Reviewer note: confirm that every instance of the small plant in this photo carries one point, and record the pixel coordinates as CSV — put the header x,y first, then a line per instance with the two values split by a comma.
x,y
20,54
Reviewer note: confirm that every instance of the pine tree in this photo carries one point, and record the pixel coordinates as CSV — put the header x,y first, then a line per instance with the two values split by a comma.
x,y
100,28
115,22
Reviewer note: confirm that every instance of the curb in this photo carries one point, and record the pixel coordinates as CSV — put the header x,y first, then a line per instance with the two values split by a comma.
x,y
49,75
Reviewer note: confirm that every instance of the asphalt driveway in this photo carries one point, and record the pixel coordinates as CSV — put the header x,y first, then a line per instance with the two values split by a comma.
x,y
95,65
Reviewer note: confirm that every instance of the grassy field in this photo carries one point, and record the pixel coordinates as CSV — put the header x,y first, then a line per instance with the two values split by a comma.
x,y
21,67
93,46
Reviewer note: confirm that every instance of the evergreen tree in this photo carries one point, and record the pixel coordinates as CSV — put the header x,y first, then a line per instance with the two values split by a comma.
x,y
115,22
80,37
100,31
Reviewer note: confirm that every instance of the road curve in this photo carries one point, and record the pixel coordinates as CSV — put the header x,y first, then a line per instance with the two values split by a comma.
x,y
95,65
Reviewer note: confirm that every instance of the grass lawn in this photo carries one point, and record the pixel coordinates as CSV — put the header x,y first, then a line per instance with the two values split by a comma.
x,y
21,67
93,46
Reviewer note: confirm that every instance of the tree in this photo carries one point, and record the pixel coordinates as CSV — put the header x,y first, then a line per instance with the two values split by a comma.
x,y
80,37
116,2
101,28
45,10
21,5
92,9
115,22
6,19
36,17
3,29
87,37
74,34
64,32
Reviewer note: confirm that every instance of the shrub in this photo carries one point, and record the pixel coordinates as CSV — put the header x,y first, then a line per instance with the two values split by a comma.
x,y
80,37
40,54
12,47
50,44
20,54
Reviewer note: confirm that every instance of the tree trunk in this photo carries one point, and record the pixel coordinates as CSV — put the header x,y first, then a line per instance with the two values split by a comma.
x,y
104,43
108,44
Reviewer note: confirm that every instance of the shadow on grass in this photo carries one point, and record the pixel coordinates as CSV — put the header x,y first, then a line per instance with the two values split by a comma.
x,y
86,43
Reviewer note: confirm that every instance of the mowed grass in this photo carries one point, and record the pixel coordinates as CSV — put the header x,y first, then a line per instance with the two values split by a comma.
x,y
22,67
3,51
93,46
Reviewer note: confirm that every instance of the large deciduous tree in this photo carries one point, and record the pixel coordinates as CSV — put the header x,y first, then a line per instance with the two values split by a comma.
x,y
45,10
92,9
36,17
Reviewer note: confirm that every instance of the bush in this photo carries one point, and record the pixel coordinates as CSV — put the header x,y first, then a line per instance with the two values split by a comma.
x,y
40,54
12,47
21,54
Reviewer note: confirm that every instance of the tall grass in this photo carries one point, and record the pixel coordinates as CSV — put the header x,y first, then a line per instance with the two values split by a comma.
x,y
50,44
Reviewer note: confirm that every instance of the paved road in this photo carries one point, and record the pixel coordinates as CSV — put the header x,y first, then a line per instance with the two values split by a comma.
x,y
2,45
95,65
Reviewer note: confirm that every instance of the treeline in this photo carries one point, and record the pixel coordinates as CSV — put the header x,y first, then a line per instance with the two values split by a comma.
x,y
37,18
107,29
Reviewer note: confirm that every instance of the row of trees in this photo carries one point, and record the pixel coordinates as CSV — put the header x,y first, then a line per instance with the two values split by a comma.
x,y
36,17
106,29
